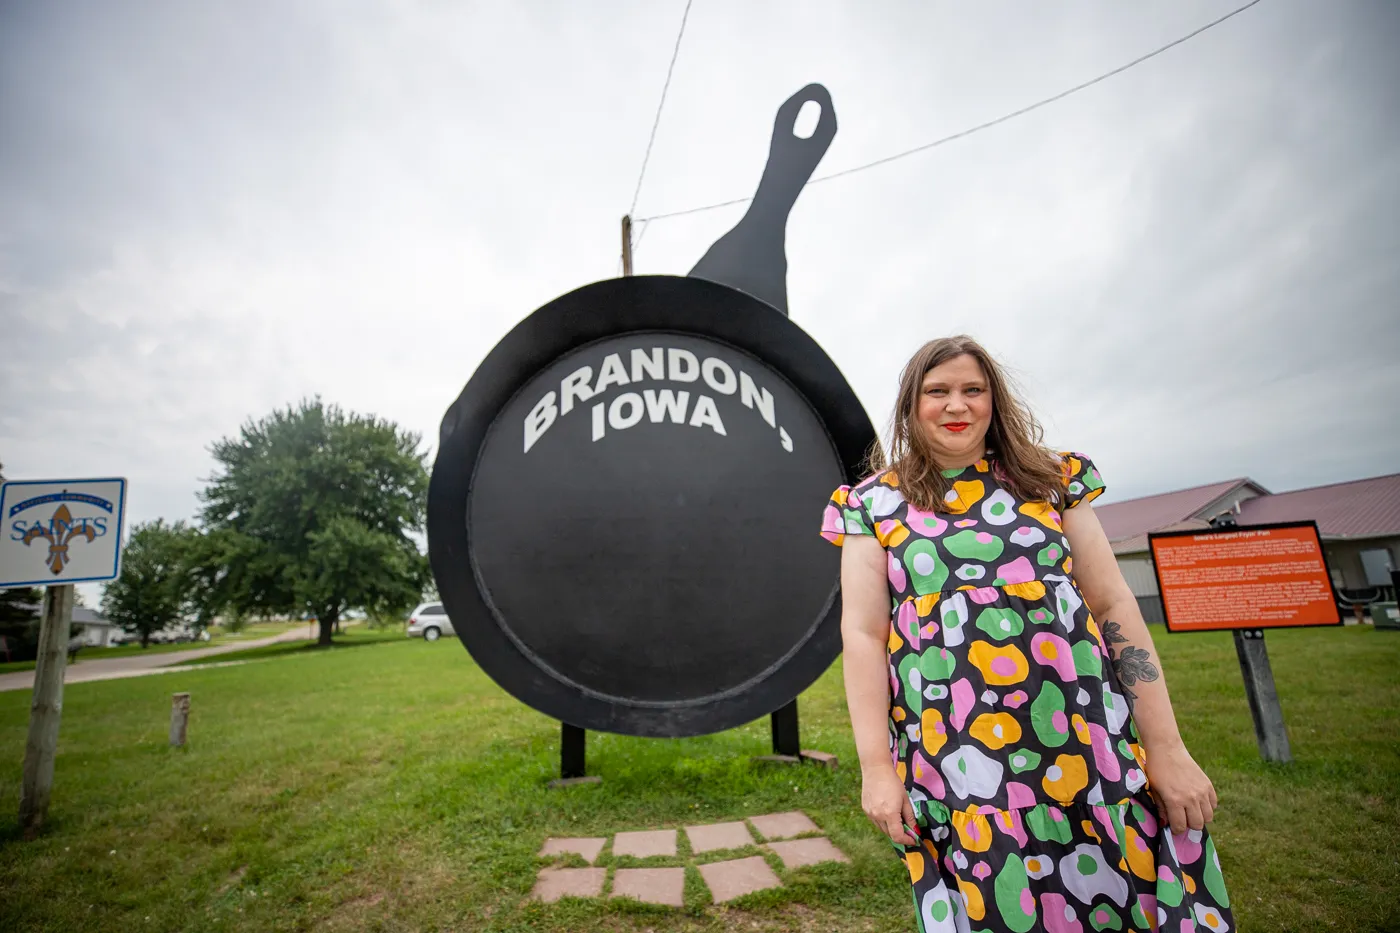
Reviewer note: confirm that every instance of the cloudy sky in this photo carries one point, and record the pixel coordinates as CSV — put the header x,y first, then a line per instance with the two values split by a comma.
x,y
211,210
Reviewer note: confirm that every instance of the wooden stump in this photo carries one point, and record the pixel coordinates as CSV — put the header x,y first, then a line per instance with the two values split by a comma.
x,y
179,718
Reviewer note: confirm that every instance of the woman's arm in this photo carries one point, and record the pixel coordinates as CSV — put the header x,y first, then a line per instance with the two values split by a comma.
x,y
1186,796
865,633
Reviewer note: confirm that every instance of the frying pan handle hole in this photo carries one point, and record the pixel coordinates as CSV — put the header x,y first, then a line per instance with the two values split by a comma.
x,y
805,124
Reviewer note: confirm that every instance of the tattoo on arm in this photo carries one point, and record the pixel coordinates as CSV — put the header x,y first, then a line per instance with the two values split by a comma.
x,y
1129,663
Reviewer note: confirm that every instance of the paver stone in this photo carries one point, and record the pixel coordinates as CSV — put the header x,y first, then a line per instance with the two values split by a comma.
x,y
653,885
737,877
718,836
554,883
783,825
798,852
588,848
645,844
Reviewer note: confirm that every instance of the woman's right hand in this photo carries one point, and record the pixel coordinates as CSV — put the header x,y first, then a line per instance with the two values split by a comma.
x,y
886,802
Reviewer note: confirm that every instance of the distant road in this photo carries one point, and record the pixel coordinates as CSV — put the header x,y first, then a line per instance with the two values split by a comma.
x,y
139,665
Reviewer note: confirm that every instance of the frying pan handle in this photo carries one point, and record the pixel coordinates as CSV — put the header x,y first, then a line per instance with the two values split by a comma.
x,y
792,159
752,257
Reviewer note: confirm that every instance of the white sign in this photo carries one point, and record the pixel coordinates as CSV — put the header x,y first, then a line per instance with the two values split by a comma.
x,y
60,531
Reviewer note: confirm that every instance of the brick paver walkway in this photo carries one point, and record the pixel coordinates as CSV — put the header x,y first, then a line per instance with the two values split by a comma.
x,y
791,840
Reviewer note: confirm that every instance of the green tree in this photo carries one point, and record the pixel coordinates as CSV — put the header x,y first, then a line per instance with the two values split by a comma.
x,y
19,623
153,589
208,584
19,617
314,509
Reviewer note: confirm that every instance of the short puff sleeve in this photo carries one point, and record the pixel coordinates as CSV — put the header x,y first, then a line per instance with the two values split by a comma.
x,y
1082,480
846,514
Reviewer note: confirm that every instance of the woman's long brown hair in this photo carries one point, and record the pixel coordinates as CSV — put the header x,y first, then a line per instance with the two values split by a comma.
x,y
1030,470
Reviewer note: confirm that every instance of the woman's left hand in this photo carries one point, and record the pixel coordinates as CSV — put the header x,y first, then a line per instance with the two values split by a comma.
x,y
1185,796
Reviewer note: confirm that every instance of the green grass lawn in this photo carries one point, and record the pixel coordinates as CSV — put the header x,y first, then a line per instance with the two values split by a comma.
x,y
394,787
260,630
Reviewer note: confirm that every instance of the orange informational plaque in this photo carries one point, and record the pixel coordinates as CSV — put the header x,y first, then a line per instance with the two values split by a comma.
x,y
1256,577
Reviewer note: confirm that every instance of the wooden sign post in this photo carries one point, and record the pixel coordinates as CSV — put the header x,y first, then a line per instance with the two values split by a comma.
x,y
1247,579
59,532
1259,690
46,708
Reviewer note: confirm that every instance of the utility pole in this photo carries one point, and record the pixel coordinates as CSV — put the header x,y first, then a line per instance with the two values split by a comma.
x,y
573,740
626,244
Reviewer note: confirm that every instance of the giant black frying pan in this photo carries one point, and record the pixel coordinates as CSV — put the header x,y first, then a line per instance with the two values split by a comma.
x,y
623,513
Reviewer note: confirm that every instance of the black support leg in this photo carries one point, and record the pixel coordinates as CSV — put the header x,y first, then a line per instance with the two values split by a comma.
x,y
1259,689
572,744
786,740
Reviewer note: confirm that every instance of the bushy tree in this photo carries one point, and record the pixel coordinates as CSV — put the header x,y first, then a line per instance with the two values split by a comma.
x,y
19,617
208,584
312,511
19,622
153,591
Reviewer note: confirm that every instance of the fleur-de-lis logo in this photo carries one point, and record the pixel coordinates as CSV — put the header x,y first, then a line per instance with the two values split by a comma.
x,y
60,532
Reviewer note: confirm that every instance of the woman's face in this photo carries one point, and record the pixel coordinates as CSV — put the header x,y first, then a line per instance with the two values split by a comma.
x,y
955,411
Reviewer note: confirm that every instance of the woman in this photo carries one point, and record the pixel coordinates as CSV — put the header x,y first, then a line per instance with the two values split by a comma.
x,y
1020,750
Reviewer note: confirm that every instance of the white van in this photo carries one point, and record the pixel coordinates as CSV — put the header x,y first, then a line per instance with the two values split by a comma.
x,y
430,621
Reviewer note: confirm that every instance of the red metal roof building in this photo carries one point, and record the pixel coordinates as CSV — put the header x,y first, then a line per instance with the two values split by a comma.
x,y
1363,508
1154,513
1359,522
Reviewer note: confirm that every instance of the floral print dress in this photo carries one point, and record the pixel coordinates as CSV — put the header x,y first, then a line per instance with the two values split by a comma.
x,y
1006,726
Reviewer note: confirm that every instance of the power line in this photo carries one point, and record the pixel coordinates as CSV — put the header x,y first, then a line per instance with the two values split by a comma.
x,y
979,127
657,122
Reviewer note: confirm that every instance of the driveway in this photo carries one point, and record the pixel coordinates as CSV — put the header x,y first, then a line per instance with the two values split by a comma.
x,y
138,665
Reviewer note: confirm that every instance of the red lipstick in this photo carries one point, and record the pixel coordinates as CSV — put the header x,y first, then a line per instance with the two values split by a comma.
x,y
956,426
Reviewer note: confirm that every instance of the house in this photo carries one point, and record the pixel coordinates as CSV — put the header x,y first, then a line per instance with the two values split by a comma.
x,y
93,629
1359,522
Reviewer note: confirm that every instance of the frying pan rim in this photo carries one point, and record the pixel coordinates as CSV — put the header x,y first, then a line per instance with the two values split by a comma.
x,y
599,311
